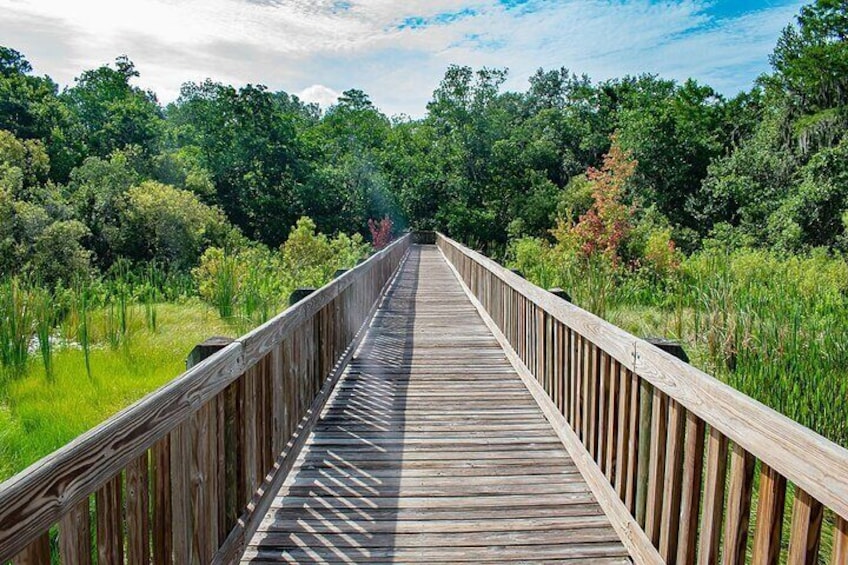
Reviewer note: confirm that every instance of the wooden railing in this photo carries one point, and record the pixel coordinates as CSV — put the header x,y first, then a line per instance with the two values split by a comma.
x,y
672,454
186,474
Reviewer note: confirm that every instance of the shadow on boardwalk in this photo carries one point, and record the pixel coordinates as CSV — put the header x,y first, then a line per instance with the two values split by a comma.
x,y
431,450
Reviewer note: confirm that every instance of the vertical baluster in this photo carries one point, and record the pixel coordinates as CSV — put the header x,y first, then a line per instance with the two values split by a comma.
x,y
690,498
805,534
713,498
770,509
160,456
646,396
633,443
656,466
612,377
738,506
138,522
673,484
839,555
574,369
110,534
180,467
623,437
75,535
36,553
602,390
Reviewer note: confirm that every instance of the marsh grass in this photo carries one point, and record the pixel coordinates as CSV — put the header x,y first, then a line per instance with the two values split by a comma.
x,y
15,328
39,416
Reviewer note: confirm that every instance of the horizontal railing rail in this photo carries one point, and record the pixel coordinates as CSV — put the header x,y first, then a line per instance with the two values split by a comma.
x,y
672,453
185,474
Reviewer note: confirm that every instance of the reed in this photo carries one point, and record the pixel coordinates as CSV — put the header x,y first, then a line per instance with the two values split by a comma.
x,y
15,328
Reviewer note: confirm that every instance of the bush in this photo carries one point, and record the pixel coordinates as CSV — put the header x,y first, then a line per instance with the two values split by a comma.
x,y
165,223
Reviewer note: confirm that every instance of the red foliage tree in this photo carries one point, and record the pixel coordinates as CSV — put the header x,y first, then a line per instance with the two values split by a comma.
x,y
381,232
603,228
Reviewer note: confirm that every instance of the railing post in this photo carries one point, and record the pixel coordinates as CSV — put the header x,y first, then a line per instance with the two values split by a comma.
x,y
299,294
206,349
560,293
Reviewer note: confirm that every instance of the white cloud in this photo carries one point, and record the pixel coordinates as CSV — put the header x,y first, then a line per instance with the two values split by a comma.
x,y
319,94
299,45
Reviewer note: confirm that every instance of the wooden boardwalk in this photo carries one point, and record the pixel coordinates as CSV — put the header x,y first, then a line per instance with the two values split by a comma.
x,y
431,449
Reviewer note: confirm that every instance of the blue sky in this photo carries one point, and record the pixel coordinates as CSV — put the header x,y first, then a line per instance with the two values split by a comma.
x,y
396,51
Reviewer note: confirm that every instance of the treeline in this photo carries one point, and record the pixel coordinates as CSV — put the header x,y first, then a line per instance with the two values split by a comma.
x,y
101,171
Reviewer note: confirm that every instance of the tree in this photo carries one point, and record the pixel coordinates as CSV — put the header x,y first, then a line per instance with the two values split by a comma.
x,y
163,223
111,113
249,143
602,229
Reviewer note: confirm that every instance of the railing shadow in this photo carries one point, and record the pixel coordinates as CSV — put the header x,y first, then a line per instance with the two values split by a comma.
x,y
341,504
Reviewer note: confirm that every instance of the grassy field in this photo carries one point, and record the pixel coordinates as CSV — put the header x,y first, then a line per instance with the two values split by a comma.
x,y
39,415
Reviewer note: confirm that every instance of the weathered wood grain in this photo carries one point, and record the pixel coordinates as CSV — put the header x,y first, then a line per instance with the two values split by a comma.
x,y
770,509
673,483
138,511
715,476
738,506
839,556
75,535
805,532
690,492
110,531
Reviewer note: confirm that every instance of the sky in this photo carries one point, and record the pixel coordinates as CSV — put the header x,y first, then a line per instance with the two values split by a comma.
x,y
395,50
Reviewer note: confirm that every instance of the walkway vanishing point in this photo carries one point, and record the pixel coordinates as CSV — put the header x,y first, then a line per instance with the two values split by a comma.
x,y
432,406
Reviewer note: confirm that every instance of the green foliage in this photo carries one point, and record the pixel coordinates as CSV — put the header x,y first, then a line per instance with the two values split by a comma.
x,y
163,223
253,282
111,114
39,415
16,317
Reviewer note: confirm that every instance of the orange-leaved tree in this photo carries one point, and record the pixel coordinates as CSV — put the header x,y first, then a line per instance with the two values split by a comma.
x,y
603,228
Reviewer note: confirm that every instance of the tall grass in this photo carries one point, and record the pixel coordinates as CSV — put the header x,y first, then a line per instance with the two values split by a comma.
x,y
15,328
45,313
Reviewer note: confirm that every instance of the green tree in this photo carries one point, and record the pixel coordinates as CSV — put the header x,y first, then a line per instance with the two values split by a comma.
x,y
111,113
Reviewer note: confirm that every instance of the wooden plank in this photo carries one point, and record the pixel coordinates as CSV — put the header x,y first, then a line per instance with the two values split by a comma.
x,y
36,553
623,435
138,511
611,428
110,522
656,466
690,492
839,556
179,467
715,476
738,506
160,456
633,442
75,535
673,483
770,509
646,399
202,515
805,532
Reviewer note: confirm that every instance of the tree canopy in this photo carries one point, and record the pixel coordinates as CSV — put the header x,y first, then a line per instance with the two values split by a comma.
x,y
101,171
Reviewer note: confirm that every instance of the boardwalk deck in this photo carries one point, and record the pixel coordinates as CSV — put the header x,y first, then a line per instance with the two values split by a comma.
x,y
431,449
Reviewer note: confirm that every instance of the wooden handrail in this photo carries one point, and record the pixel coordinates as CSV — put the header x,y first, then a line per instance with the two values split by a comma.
x,y
197,454
620,394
